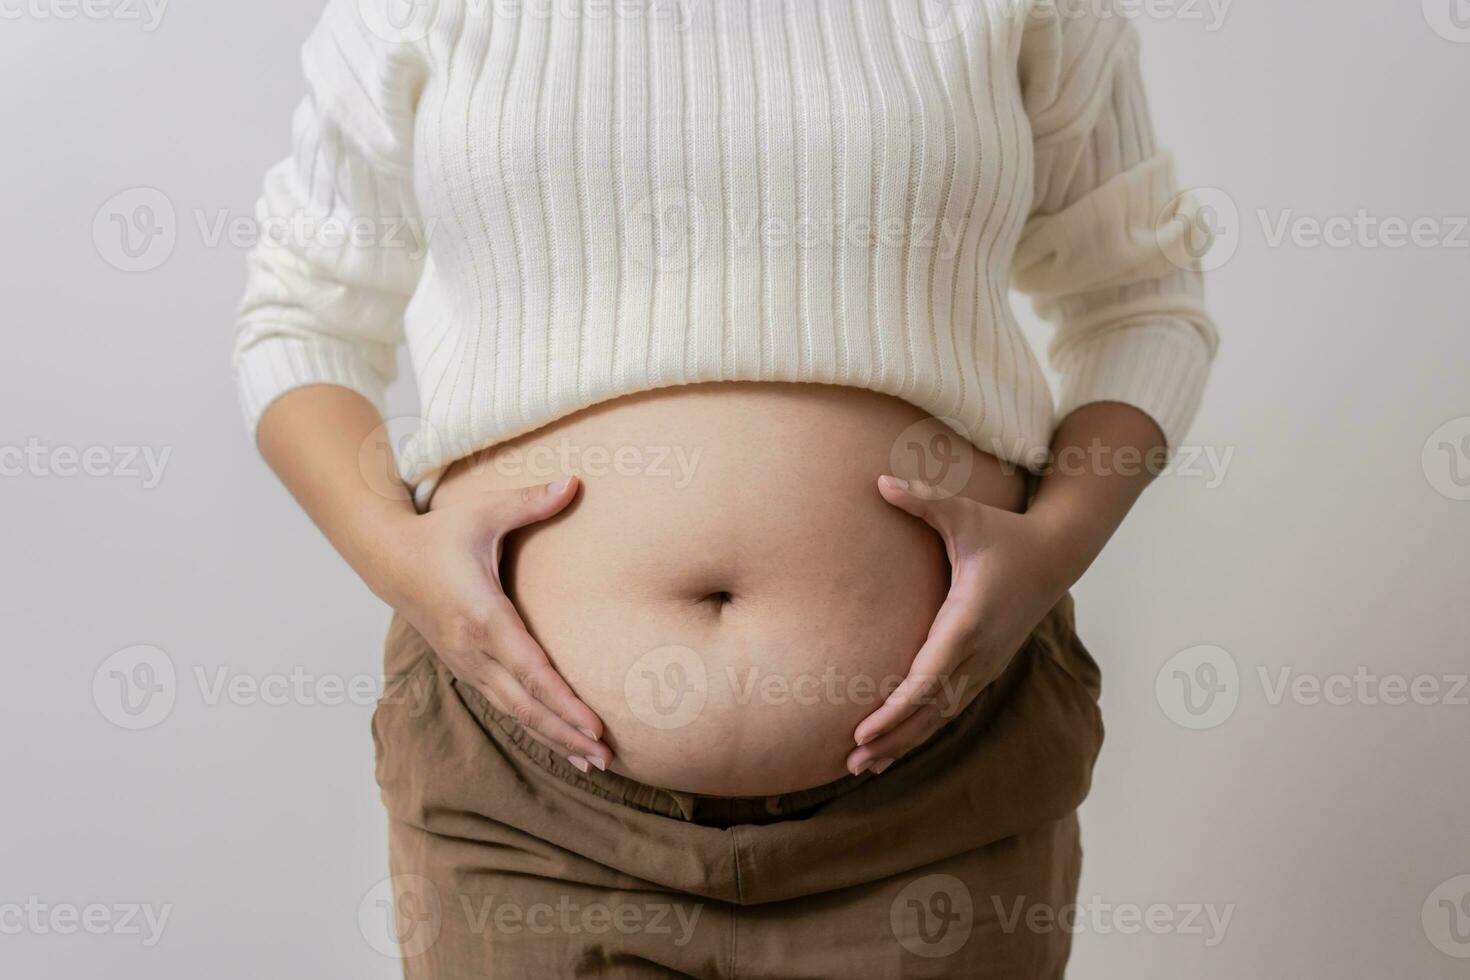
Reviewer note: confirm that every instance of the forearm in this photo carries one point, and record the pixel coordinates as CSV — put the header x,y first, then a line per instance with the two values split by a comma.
x,y
1104,455
325,444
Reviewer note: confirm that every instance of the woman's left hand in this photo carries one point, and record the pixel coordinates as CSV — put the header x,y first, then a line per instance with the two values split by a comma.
x,y
1007,572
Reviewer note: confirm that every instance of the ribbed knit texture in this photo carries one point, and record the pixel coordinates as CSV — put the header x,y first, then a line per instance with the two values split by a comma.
x,y
623,196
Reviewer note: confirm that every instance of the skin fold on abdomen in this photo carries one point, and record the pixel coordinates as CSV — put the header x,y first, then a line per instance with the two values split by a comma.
x,y
729,592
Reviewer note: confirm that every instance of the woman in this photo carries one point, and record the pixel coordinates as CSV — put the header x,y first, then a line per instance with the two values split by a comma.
x,y
732,634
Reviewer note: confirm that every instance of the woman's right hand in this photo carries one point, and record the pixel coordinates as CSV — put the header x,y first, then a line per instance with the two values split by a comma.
x,y
441,570
446,582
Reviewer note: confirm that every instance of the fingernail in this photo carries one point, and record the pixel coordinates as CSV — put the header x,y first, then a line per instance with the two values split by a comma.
x,y
858,770
557,488
894,481
578,761
588,732
601,766
881,765
864,740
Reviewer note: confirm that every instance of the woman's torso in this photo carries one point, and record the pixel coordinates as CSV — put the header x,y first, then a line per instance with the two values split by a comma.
x,y
729,592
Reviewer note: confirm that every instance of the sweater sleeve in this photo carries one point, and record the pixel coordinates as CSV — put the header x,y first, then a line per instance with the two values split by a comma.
x,y
1103,252
341,245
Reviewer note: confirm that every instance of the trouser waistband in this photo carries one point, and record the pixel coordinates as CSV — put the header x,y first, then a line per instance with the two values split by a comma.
x,y
1019,756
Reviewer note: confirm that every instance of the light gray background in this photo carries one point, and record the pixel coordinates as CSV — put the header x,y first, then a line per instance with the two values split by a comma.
x,y
1323,547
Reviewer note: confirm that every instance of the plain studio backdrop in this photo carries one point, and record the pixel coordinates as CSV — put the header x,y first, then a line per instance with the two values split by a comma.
x,y
1282,623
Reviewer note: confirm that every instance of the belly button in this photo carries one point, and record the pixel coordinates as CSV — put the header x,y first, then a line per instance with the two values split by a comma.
x,y
720,599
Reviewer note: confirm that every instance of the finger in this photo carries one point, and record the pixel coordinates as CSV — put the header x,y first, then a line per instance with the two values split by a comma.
x,y
950,643
577,760
949,514
493,696
515,701
914,731
524,659
528,505
518,652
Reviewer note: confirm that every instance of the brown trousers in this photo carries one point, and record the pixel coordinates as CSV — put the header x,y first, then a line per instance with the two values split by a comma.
x,y
958,861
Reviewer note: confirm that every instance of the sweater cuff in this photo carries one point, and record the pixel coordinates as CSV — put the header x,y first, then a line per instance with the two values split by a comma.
x,y
1159,369
268,369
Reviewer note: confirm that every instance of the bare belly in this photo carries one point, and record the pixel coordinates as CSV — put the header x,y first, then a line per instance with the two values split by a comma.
x,y
729,592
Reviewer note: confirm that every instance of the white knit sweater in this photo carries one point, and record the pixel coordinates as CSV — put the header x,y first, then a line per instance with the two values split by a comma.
x,y
620,195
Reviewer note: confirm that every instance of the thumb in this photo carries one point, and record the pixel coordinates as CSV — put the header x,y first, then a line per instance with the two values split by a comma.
x,y
528,505
946,512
